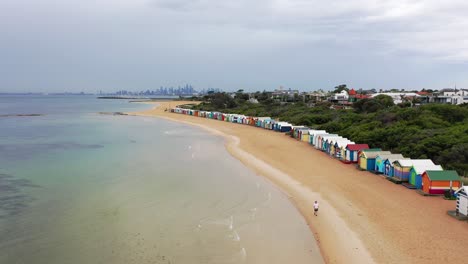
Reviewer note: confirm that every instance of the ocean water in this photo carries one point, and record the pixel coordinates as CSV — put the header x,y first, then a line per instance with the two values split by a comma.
x,y
80,187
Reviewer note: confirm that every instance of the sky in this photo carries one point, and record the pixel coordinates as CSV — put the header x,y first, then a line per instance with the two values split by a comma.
x,y
255,45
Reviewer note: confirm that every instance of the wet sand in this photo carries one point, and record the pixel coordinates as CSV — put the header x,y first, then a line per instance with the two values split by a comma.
x,y
363,218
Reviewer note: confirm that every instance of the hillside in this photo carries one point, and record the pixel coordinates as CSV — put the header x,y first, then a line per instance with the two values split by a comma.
x,y
435,131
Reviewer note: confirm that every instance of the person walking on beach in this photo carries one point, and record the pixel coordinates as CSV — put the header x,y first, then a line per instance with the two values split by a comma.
x,y
316,207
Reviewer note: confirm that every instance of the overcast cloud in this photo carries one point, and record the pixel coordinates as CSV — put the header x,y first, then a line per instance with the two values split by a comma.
x,y
107,45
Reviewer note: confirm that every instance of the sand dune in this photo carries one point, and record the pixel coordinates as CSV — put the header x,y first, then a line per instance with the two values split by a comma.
x,y
363,218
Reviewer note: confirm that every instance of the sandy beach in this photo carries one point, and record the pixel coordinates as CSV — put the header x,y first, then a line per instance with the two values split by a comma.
x,y
363,218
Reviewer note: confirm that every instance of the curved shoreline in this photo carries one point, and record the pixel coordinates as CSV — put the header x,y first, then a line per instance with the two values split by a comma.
x,y
363,217
337,242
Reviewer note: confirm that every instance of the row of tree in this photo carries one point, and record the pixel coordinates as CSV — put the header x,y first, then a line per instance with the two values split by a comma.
x,y
433,131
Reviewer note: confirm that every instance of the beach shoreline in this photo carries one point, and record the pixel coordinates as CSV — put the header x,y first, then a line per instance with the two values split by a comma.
x,y
349,228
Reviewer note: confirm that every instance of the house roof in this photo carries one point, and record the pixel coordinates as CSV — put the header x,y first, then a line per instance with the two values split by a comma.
x,y
322,135
332,138
354,147
391,160
374,154
314,131
318,134
463,189
390,156
410,162
343,143
444,175
361,96
420,166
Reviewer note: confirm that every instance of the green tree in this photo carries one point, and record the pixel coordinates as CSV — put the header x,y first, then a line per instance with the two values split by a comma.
x,y
341,87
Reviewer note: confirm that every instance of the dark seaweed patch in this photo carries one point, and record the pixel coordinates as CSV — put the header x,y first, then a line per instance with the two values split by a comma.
x,y
12,200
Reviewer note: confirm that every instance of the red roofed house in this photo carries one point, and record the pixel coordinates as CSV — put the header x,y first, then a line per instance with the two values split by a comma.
x,y
352,152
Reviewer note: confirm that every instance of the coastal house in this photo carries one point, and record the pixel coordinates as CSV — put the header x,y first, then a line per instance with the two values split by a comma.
x,y
339,148
340,98
276,125
312,133
294,130
388,164
418,168
260,121
329,143
298,132
451,96
251,121
398,97
245,120
320,139
283,127
437,182
462,201
401,169
305,135
352,152
241,119
316,137
325,141
380,161
332,145
367,159
268,124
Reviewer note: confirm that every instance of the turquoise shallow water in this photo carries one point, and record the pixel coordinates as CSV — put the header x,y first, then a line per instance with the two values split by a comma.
x,y
78,187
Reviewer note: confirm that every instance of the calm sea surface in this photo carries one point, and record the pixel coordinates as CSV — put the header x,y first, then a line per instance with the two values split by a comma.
x,y
79,187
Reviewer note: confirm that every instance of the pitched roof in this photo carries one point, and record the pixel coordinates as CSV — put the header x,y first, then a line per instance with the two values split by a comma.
x,y
389,156
314,131
374,154
354,147
463,189
420,166
393,159
343,143
444,175
411,162
326,135
332,139
361,96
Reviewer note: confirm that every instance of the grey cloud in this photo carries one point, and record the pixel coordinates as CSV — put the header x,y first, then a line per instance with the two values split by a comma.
x,y
308,44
